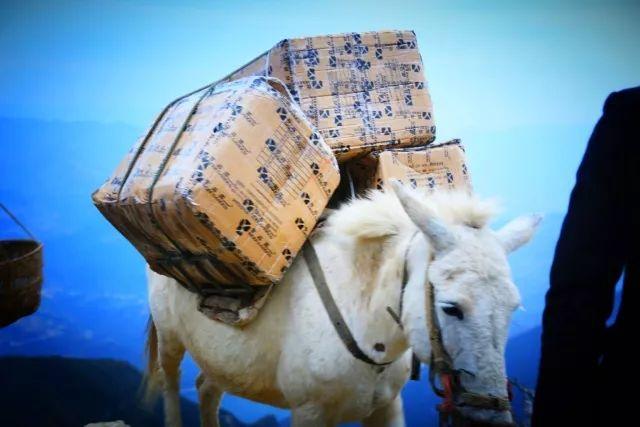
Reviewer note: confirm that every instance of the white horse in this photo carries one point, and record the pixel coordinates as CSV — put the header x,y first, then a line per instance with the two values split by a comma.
x,y
292,357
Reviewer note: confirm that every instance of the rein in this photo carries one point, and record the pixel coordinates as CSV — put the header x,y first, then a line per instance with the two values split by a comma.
x,y
454,395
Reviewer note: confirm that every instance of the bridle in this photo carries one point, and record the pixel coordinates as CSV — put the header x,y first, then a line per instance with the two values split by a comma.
x,y
452,392
454,395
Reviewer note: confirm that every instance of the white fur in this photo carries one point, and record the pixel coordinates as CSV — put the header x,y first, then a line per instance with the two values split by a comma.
x,y
518,231
291,356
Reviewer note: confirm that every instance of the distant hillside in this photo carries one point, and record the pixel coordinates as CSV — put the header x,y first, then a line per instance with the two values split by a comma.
x,y
61,392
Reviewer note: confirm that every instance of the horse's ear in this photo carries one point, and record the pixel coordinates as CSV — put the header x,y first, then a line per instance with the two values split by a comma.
x,y
518,231
438,233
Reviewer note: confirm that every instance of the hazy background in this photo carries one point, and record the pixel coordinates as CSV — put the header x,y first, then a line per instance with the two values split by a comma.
x,y
521,84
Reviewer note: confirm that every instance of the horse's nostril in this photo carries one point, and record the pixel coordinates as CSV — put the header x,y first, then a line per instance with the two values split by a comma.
x,y
464,371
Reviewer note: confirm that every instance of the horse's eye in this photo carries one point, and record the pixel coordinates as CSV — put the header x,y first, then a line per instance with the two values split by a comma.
x,y
453,310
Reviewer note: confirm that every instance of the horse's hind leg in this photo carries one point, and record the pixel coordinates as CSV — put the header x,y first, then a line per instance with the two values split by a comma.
x,y
390,415
209,396
171,352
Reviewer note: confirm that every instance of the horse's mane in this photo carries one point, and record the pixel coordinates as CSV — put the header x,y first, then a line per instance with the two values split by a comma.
x,y
380,214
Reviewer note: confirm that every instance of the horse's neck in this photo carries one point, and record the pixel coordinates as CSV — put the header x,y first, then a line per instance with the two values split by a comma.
x,y
365,279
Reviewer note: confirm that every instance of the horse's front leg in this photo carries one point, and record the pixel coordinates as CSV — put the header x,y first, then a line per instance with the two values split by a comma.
x,y
209,396
390,415
310,415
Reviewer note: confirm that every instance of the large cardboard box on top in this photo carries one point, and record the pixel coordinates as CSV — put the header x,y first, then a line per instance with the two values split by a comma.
x,y
437,166
362,91
225,188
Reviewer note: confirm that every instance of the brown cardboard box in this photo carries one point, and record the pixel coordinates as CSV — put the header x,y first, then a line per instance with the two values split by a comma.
x,y
225,188
438,166
363,91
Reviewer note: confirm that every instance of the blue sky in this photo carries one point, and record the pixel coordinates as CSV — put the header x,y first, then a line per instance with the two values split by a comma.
x,y
521,83
58,56
499,71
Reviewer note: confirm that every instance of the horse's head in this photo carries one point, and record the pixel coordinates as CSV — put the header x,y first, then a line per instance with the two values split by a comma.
x,y
474,296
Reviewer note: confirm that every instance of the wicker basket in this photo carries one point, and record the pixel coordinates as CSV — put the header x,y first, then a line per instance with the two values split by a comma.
x,y
20,276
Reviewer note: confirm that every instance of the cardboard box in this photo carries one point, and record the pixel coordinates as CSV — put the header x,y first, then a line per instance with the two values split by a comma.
x,y
363,91
438,166
225,188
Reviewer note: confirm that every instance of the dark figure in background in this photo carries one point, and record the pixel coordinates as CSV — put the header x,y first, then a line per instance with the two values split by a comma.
x,y
588,372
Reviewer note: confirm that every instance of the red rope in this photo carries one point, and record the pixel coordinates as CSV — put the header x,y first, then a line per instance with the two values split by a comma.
x,y
447,405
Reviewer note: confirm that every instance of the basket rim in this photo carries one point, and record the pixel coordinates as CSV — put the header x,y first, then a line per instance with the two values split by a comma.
x,y
37,248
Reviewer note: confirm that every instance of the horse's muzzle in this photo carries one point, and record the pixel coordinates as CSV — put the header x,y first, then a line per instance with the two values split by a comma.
x,y
463,417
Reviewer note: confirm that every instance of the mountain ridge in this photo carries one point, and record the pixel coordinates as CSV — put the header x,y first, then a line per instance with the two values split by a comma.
x,y
59,391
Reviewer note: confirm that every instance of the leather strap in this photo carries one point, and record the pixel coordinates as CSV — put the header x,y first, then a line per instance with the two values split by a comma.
x,y
483,401
440,359
320,282
415,368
